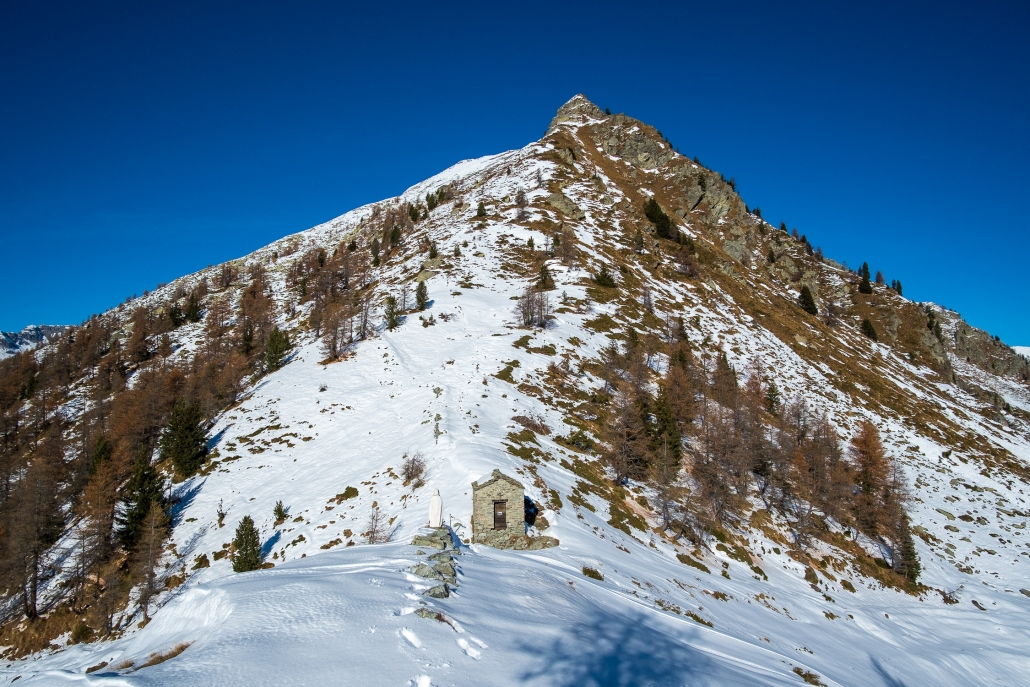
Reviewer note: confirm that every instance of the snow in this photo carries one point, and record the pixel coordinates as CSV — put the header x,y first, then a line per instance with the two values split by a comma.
x,y
1023,351
346,613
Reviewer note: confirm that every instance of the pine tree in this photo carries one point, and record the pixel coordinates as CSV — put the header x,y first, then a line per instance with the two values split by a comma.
x,y
143,488
375,250
392,313
184,441
280,512
772,398
193,308
869,330
662,224
638,241
864,286
422,295
395,236
545,282
432,250
353,245
246,546
275,349
906,561
102,452
807,302
481,210
604,278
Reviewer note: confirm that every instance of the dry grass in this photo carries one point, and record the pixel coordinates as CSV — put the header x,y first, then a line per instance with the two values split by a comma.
x,y
158,657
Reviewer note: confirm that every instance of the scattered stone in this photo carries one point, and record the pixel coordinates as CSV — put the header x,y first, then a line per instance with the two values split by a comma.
x,y
423,570
419,540
445,568
440,591
519,542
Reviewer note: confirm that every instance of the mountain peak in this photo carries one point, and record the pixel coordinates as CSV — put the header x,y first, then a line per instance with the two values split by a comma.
x,y
576,108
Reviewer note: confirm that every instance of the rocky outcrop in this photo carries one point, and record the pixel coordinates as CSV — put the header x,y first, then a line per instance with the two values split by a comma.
x,y
563,204
980,348
578,109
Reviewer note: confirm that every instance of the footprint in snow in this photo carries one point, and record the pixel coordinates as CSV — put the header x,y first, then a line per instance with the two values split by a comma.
x,y
411,637
469,651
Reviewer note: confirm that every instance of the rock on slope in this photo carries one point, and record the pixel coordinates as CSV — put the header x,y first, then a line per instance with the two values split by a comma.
x,y
748,614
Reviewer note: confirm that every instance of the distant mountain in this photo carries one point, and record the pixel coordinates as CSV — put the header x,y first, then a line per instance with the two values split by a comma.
x,y
28,338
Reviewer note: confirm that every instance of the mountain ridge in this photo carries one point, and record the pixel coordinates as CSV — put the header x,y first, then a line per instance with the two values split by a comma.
x,y
454,388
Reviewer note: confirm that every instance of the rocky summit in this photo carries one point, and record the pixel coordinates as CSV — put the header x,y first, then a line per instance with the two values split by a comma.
x,y
742,461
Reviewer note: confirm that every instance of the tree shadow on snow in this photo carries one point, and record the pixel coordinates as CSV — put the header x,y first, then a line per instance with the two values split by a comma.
x,y
607,650
888,679
182,497
267,547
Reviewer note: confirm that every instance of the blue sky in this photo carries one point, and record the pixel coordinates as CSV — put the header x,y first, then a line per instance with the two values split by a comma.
x,y
142,141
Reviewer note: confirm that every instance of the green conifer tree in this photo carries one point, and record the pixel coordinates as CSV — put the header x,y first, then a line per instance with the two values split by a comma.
x,y
604,278
392,313
280,512
247,546
432,250
102,452
869,330
772,398
865,286
422,295
184,441
481,210
193,308
545,282
276,348
807,302
395,236
662,224
143,488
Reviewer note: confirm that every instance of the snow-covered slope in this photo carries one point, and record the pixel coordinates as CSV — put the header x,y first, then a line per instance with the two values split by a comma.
x,y
333,613
1023,351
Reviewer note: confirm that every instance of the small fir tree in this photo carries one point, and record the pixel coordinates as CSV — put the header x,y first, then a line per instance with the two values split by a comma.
x,y
604,278
280,512
395,236
481,210
869,330
772,398
807,302
422,295
184,442
353,245
662,224
432,250
193,308
276,348
246,546
143,489
545,282
865,286
392,313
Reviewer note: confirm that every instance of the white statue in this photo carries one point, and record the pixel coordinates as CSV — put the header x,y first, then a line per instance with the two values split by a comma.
x,y
436,510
